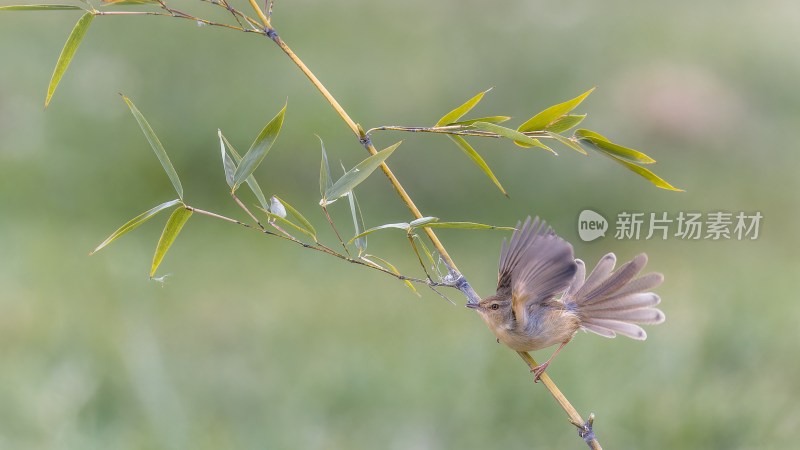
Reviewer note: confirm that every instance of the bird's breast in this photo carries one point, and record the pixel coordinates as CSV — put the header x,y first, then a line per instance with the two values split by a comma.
x,y
541,329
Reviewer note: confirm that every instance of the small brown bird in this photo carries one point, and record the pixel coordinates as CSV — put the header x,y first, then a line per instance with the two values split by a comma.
x,y
543,300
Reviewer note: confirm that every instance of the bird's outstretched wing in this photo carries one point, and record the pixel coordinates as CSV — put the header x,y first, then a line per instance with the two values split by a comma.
x,y
535,265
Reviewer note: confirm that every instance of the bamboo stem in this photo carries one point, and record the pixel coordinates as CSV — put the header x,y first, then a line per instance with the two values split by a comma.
x,y
574,417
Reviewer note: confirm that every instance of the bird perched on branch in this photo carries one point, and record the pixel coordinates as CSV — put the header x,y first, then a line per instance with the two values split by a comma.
x,y
543,296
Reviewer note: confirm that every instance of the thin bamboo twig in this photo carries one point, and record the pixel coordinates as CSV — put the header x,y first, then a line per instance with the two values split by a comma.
x,y
333,227
419,257
277,227
224,4
171,15
321,248
241,205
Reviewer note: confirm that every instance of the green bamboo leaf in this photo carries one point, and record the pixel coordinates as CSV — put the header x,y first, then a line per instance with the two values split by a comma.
x,y
173,227
306,225
565,123
38,8
227,163
251,180
400,226
356,175
70,47
135,222
466,225
394,270
425,250
366,257
478,160
518,138
552,114
358,222
541,145
423,221
604,145
490,119
259,149
157,147
459,112
646,174
568,142
325,180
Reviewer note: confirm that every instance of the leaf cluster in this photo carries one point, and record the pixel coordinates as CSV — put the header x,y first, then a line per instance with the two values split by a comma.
x,y
547,124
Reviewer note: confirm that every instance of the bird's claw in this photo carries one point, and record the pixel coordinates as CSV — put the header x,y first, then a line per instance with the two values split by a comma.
x,y
538,371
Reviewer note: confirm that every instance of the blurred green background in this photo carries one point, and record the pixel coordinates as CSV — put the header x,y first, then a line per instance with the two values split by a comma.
x,y
254,343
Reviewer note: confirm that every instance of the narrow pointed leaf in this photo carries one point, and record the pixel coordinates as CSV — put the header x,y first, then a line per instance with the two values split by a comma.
x,y
490,119
425,250
259,149
367,259
646,174
356,175
70,47
538,144
423,221
568,142
358,222
552,114
306,225
251,180
478,160
394,270
459,112
518,138
173,227
135,222
157,147
400,226
466,225
325,180
565,123
604,145
542,145
38,8
227,163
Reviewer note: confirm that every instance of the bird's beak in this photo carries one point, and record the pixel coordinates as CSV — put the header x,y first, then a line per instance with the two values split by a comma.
x,y
472,305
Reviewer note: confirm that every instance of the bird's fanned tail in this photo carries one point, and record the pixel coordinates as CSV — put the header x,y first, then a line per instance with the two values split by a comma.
x,y
612,302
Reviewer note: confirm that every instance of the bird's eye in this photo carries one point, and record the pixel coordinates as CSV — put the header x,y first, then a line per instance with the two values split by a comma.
x,y
494,306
